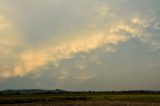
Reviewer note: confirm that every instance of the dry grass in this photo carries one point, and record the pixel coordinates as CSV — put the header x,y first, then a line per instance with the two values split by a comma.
x,y
85,103
81,99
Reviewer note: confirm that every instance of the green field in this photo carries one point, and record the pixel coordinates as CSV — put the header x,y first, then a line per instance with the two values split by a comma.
x,y
81,98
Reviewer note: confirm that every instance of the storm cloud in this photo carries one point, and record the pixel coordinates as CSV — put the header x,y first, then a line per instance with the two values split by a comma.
x,y
93,44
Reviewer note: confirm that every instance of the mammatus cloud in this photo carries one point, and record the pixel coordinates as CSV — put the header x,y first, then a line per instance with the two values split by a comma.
x,y
139,28
18,62
85,77
29,60
7,32
32,59
9,42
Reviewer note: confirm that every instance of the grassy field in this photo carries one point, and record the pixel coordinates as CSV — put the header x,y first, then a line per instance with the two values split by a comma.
x,y
81,99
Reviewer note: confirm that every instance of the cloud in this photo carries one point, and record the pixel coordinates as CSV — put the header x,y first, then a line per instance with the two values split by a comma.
x,y
138,21
7,32
9,44
85,77
126,28
3,23
82,67
157,26
63,75
30,60
74,44
94,27
139,28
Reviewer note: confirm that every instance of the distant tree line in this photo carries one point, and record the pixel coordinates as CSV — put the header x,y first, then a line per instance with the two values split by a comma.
x,y
31,91
58,91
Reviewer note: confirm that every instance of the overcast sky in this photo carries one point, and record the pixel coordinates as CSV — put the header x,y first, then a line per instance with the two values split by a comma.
x,y
80,44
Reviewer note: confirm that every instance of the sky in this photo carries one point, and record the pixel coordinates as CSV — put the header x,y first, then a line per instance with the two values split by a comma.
x,y
80,44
